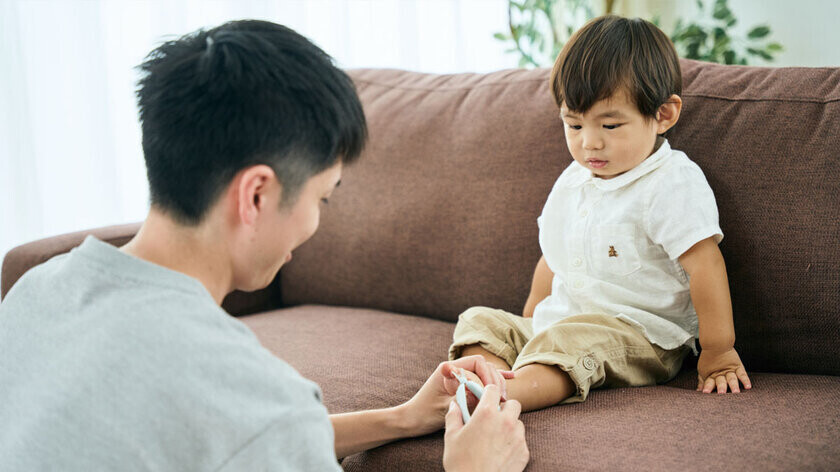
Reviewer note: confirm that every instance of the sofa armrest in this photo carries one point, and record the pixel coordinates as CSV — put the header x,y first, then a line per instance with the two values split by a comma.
x,y
24,257
27,256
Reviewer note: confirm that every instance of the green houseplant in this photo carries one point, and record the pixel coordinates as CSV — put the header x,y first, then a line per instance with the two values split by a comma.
x,y
538,29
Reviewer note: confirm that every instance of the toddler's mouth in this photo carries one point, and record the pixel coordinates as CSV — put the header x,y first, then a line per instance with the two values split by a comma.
x,y
596,163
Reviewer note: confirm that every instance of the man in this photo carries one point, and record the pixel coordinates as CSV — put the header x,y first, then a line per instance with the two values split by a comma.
x,y
122,359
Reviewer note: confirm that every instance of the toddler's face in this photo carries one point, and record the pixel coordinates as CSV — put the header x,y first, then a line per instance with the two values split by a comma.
x,y
612,137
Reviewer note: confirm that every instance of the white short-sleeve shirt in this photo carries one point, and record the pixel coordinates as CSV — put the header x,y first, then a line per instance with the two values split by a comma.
x,y
613,245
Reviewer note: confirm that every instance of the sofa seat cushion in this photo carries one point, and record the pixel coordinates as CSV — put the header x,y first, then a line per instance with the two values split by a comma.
x,y
371,359
361,358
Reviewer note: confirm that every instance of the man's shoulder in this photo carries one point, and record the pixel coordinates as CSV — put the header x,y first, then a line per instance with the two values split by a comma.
x,y
45,271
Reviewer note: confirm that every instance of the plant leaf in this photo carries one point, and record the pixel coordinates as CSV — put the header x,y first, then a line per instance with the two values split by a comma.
x,y
758,32
722,13
729,57
760,53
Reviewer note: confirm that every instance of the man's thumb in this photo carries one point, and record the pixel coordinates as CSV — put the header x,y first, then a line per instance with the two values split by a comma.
x,y
454,421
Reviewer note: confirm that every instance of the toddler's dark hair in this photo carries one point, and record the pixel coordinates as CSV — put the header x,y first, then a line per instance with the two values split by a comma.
x,y
610,53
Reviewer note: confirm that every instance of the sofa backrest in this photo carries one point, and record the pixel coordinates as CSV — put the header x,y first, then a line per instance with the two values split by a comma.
x,y
440,212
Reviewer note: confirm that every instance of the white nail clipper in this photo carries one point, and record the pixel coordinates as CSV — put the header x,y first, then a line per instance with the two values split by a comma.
x,y
461,393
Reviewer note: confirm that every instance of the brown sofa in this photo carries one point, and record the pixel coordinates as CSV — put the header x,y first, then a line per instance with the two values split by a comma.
x,y
440,215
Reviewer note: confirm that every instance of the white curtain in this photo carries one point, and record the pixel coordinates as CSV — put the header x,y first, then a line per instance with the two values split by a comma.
x,y
70,155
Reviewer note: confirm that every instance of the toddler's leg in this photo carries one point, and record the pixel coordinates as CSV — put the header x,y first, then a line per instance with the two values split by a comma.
x,y
499,337
535,386
538,386
495,334
477,350
563,363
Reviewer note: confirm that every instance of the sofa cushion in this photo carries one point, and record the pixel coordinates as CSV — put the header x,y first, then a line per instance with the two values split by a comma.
x,y
439,214
362,358
371,359
768,141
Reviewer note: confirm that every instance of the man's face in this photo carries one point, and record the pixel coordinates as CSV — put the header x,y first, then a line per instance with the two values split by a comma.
x,y
282,230
611,138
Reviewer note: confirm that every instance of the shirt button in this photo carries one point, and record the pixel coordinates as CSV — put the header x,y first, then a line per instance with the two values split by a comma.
x,y
577,262
588,363
583,213
578,284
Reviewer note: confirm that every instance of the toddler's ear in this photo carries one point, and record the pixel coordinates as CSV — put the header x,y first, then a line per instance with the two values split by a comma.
x,y
668,114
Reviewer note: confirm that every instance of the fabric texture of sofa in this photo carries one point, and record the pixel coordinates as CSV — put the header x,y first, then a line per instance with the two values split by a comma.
x,y
439,215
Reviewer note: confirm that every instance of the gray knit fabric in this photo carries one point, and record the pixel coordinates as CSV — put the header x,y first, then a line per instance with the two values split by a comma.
x,y
108,362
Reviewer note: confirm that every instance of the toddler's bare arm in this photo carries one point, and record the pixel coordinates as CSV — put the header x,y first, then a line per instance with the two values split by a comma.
x,y
719,364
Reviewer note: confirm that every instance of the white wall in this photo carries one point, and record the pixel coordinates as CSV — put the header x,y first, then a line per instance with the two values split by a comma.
x,y
70,154
809,30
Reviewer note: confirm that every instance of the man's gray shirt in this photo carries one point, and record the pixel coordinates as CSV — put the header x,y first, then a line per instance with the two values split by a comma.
x,y
109,362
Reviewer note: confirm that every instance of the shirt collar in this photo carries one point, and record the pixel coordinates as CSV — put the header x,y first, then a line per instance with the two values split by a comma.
x,y
653,162
124,266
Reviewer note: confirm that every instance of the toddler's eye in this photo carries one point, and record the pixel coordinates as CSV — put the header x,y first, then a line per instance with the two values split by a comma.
x,y
325,201
574,126
612,126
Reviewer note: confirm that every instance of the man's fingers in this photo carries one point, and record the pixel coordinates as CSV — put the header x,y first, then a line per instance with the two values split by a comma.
x,y
512,407
732,380
490,399
483,370
454,420
500,381
745,379
486,372
479,366
450,383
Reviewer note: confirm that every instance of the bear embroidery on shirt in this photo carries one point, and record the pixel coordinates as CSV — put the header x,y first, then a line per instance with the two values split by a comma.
x,y
613,253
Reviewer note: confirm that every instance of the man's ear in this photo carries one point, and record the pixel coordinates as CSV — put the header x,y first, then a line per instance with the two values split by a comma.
x,y
253,187
668,114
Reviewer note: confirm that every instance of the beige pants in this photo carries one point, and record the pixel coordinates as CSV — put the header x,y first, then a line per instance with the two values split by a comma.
x,y
595,350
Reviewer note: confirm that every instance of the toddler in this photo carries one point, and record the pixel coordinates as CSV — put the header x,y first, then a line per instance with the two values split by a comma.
x,y
630,273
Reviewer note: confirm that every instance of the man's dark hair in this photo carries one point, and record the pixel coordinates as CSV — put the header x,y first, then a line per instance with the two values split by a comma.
x,y
610,53
245,93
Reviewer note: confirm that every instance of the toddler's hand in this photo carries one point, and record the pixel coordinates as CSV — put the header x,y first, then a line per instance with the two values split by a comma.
x,y
722,369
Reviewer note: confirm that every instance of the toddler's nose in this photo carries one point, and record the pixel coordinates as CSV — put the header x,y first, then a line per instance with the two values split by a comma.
x,y
592,141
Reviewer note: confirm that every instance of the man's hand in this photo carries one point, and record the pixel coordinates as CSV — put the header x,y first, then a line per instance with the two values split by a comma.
x,y
423,414
722,369
492,441
426,411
